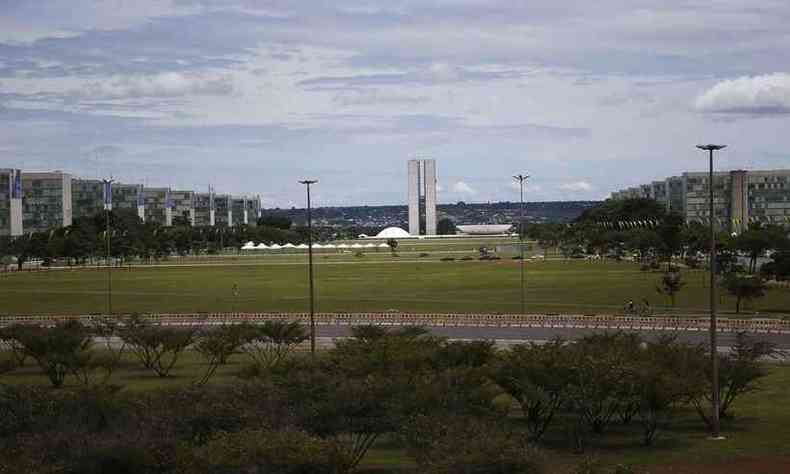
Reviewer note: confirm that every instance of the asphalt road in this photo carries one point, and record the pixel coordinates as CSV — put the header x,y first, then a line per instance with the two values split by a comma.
x,y
513,335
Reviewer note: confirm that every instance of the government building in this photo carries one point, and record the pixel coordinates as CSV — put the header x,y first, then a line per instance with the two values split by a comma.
x,y
40,201
739,197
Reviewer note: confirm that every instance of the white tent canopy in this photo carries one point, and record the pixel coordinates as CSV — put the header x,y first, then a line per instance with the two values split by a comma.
x,y
303,246
383,245
262,246
275,247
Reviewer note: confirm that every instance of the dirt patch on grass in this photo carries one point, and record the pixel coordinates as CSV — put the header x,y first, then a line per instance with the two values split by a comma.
x,y
765,465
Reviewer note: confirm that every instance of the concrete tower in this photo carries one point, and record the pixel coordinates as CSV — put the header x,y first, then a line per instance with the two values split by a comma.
x,y
422,197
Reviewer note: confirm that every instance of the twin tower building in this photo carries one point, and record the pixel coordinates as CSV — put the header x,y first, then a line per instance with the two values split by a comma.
x,y
422,197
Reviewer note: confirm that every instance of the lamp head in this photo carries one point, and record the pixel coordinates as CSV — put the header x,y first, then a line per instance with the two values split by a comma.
x,y
308,181
711,147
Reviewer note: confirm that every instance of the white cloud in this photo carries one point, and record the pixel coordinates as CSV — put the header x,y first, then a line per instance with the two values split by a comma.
x,y
768,94
168,84
535,188
463,188
578,186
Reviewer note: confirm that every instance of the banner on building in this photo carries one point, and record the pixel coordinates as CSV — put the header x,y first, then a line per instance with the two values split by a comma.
x,y
107,195
16,184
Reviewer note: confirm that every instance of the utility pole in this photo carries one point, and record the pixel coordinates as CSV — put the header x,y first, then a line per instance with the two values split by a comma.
x,y
107,190
714,354
521,178
307,183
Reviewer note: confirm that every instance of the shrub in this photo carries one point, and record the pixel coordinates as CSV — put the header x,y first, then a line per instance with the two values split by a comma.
x,y
270,343
59,351
276,452
447,259
156,347
453,445
216,345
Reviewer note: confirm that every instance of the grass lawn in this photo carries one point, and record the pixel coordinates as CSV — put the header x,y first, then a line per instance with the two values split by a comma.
x,y
375,282
760,429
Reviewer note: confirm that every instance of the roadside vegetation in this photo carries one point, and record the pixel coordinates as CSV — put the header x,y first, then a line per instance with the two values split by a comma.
x,y
242,399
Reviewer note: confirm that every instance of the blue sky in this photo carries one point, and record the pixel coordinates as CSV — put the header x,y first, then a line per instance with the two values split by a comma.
x,y
251,96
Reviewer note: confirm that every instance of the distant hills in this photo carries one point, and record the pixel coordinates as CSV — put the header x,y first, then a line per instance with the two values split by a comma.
x,y
460,213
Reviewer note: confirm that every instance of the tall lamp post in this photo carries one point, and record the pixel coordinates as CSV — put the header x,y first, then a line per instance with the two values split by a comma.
x,y
107,191
714,355
307,183
521,178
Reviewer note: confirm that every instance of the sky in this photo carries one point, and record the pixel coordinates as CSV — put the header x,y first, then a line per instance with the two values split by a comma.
x,y
587,97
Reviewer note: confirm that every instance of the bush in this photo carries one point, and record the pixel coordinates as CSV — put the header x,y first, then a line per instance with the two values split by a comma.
x,y
59,351
467,257
156,347
216,345
265,451
423,255
270,343
447,259
453,445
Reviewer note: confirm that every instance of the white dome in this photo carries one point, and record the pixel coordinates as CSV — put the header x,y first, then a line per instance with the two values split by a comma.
x,y
392,233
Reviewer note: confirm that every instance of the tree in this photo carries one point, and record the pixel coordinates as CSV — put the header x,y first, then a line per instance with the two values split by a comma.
x,y
469,445
271,342
739,372
757,240
156,347
598,381
392,244
744,288
59,351
671,284
276,221
445,226
778,267
217,344
348,410
288,451
664,374
536,376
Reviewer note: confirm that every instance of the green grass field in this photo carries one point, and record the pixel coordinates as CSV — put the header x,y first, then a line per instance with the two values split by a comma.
x,y
374,282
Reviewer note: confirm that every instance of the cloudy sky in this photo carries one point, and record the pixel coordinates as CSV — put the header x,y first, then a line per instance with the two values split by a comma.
x,y
586,96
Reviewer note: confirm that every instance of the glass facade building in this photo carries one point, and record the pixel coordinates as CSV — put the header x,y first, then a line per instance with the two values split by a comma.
x,y
158,206
223,206
739,197
183,204
204,209
46,201
36,202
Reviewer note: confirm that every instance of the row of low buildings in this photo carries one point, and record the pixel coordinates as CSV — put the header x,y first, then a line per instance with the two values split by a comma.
x,y
739,197
35,202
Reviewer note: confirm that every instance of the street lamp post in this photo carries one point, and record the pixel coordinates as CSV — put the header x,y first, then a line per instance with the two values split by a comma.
x,y
307,183
714,355
521,178
107,190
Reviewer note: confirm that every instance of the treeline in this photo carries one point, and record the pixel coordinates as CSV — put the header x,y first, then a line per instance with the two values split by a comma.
x,y
451,406
131,238
644,228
